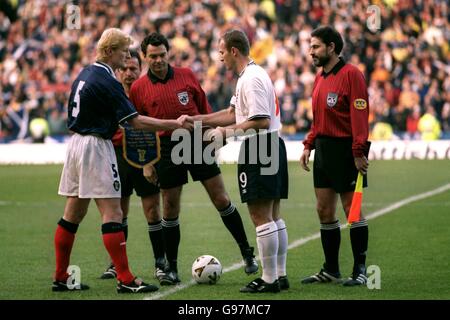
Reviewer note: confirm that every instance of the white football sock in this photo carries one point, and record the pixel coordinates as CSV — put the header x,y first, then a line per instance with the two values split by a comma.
x,y
282,247
267,241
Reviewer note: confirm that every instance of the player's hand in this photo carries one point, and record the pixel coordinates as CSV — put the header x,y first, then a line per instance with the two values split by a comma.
x,y
188,118
304,159
186,122
362,164
150,174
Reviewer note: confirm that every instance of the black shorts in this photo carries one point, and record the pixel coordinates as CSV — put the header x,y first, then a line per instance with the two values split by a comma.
x,y
258,177
172,175
334,165
132,178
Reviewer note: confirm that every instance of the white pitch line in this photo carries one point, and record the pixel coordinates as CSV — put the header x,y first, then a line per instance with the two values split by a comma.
x,y
315,236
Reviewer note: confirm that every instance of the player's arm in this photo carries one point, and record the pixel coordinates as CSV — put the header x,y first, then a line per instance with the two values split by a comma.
x,y
220,118
256,124
153,124
250,126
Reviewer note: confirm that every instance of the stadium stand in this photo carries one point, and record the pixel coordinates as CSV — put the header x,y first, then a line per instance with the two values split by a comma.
x,y
406,61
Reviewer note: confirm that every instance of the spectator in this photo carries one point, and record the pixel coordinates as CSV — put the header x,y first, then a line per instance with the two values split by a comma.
x,y
429,126
39,128
445,116
382,131
412,124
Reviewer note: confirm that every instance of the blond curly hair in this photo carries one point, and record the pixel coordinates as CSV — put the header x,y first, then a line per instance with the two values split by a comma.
x,y
111,38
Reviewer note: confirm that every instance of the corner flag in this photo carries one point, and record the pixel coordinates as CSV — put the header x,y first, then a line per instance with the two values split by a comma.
x,y
355,209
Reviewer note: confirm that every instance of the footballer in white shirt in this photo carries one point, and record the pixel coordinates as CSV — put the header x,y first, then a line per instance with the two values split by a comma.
x,y
254,115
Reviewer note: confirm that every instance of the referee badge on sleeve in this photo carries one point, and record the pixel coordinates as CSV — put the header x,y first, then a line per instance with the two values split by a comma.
x,y
332,99
183,97
360,104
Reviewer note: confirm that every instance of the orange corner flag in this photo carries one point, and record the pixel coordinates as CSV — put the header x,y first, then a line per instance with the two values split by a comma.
x,y
355,209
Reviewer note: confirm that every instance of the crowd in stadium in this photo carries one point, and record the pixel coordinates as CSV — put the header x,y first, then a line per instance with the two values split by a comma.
x,y
406,62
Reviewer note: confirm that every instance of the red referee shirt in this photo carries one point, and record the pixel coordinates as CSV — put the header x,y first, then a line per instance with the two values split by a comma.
x,y
340,107
117,139
179,93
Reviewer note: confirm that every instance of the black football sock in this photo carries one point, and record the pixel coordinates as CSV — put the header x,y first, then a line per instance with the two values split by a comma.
x,y
359,237
171,235
155,233
232,220
330,234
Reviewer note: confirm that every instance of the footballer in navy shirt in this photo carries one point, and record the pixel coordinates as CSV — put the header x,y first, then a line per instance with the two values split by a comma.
x,y
97,105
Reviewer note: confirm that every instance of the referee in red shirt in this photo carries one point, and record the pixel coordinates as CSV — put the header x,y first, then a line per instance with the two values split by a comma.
x,y
339,136
166,92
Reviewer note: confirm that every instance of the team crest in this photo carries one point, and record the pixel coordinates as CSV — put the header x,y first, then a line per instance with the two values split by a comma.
x,y
183,97
360,104
332,99
116,185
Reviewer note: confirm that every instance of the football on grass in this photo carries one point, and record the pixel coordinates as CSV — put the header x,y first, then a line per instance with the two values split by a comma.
x,y
206,269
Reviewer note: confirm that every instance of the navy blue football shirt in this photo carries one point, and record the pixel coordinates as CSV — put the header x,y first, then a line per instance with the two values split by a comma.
x,y
98,102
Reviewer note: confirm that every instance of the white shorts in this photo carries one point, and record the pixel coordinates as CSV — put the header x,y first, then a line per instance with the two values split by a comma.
x,y
90,169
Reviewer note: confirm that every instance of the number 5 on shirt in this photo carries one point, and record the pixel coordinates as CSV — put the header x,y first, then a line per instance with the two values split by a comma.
x,y
76,99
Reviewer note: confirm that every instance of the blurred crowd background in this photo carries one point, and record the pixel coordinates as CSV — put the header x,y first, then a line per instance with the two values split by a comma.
x,y
406,62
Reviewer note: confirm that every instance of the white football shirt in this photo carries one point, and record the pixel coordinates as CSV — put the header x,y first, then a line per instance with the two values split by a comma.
x,y
255,97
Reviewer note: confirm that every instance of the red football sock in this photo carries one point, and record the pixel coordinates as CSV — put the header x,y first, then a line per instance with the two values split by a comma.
x,y
116,246
63,247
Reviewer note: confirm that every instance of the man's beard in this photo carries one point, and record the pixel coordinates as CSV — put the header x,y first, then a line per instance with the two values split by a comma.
x,y
321,61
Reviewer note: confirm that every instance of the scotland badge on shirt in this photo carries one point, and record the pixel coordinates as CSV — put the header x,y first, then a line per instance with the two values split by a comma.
x,y
140,147
332,99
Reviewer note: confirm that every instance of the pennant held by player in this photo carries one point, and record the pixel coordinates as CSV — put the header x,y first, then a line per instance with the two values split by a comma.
x,y
355,209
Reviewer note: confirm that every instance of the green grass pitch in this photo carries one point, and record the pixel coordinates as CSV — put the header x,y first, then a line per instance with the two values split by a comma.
x,y
409,244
